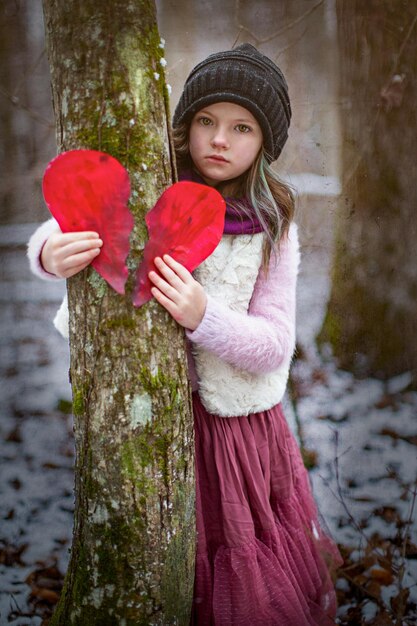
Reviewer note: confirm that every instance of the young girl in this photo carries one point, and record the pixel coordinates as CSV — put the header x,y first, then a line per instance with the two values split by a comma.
x,y
262,556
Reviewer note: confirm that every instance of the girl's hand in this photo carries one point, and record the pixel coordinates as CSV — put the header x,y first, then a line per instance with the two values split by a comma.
x,y
178,292
65,254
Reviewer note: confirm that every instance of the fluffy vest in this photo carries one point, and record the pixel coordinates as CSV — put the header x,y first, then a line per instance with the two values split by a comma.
x,y
229,275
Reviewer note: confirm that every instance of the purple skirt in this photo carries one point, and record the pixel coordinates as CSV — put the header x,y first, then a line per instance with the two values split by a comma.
x,y
263,559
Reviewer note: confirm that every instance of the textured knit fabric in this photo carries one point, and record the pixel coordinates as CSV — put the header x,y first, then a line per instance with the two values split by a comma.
x,y
263,558
247,78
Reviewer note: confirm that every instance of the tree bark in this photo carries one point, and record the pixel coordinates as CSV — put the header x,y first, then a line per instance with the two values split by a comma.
x,y
371,318
132,558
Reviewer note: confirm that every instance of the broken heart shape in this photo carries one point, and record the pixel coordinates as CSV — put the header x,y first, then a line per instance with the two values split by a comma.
x,y
89,190
187,223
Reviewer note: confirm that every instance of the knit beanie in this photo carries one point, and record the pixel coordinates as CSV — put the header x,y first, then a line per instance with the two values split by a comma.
x,y
248,78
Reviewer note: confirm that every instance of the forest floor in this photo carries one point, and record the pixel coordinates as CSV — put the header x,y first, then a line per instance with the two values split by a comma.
x,y
359,440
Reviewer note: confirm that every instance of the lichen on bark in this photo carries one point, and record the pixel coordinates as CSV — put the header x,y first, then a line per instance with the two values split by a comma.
x,y
132,558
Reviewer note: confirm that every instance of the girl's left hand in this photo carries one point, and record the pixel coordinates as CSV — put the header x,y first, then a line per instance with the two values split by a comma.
x,y
178,292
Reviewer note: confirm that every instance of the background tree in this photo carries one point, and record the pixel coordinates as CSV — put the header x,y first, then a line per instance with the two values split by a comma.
x,y
371,321
132,556
26,128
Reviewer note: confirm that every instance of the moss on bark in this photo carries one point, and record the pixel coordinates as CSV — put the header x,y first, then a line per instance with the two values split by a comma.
x,y
132,559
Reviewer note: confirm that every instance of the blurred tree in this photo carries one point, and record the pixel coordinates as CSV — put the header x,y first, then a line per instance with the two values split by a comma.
x,y
132,558
371,318
26,124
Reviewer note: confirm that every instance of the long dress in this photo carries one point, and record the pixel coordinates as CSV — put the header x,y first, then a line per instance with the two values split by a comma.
x,y
263,559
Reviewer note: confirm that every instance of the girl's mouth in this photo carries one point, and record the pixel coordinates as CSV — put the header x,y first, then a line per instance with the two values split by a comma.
x,y
217,158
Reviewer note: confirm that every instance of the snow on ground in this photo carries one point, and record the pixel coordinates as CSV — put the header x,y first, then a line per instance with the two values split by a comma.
x,y
365,435
375,466
36,450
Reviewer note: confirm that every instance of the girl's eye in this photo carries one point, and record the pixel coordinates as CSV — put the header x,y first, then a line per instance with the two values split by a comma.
x,y
205,121
242,128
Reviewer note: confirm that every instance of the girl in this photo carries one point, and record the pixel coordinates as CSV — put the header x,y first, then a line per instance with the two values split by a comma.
x,y
262,556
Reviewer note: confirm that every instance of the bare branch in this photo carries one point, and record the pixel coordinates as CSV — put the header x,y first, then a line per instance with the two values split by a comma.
x,y
16,103
404,43
279,32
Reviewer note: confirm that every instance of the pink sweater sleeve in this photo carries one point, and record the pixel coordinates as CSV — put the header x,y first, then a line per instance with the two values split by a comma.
x,y
35,245
262,339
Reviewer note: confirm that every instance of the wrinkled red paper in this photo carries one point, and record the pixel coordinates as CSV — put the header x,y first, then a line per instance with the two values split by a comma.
x,y
89,190
187,223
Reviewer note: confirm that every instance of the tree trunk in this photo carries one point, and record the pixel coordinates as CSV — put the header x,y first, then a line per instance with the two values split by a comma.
x,y
132,558
371,319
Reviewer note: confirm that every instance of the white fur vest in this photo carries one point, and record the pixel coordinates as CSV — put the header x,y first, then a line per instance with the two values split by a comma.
x,y
229,275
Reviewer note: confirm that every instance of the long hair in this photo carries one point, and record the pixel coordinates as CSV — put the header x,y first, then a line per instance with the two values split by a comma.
x,y
271,199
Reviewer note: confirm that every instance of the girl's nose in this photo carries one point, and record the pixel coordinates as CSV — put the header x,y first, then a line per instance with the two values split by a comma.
x,y
220,139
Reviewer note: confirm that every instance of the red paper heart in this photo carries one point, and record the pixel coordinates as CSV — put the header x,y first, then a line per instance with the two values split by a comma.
x,y
89,190
187,223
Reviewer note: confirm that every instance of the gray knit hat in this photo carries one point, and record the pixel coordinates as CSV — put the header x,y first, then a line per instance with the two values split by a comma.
x,y
246,77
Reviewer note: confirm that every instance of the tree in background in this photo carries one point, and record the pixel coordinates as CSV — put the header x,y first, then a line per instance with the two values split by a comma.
x,y
26,128
371,318
132,558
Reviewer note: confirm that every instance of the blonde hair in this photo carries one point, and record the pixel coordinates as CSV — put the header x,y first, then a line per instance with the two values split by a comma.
x,y
272,200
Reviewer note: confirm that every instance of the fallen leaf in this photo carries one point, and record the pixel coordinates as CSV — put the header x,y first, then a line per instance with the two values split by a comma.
x,y
389,432
381,575
14,435
11,555
46,584
373,587
46,595
398,602
388,513
382,619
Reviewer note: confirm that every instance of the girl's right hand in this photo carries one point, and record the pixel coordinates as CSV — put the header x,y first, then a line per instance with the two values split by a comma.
x,y
66,254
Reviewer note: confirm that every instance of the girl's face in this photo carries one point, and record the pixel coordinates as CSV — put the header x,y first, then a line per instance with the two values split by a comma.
x,y
224,141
